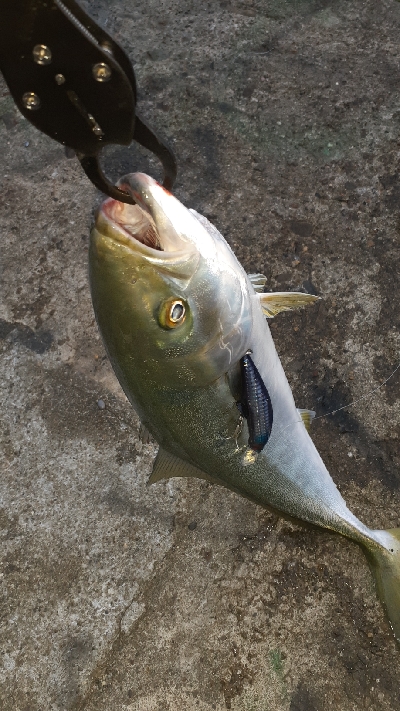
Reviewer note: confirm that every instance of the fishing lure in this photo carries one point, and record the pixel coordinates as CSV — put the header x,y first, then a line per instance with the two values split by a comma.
x,y
255,406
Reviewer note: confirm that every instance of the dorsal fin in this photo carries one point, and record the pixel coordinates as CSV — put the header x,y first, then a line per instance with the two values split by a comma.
x,y
278,301
307,416
166,465
258,281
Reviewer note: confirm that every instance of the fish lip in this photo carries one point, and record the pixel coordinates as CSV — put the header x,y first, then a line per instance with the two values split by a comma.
x,y
143,182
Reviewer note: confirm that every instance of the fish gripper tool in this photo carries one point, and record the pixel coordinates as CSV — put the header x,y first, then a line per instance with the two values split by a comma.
x,y
72,81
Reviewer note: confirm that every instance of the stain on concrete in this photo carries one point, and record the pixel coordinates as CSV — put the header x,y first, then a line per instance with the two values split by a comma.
x,y
38,342
302,700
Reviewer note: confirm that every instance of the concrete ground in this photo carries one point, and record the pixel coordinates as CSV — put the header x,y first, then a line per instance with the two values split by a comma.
x,y
285,118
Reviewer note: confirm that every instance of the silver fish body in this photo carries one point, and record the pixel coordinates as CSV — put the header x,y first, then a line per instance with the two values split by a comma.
x,y
182,376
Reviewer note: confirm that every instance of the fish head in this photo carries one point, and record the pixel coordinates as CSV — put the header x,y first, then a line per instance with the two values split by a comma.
x,y
172,302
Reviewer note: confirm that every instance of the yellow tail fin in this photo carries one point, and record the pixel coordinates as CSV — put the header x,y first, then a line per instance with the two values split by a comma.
x,y
385,565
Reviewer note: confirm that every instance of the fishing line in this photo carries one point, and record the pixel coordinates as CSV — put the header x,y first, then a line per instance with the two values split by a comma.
x,y
354,402
338,409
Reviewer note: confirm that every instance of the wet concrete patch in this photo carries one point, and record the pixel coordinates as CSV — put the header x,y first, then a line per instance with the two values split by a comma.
x,y
302,700
69,407
38,342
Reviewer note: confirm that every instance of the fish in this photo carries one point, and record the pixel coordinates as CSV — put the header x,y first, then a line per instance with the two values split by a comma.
x,y
186,331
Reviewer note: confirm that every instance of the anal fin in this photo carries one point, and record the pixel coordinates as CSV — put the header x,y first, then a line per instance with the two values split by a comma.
x,y
166,465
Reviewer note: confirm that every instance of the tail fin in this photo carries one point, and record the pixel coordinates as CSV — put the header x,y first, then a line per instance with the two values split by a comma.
x,y
385,564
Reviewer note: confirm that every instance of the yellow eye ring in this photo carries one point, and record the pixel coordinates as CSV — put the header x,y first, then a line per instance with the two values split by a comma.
x,y
172,313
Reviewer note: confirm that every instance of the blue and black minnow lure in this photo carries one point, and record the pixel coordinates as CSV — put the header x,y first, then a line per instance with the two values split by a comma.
x,y
255,405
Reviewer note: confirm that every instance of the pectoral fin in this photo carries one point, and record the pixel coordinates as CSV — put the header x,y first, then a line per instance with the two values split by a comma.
x,y
307,416
272,304
166,465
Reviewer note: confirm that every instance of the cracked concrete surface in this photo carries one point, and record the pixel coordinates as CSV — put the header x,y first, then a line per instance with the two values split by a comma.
x,y
285,118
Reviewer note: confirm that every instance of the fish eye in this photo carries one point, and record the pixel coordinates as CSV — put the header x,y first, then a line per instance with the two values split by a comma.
x,y
177,312
172,313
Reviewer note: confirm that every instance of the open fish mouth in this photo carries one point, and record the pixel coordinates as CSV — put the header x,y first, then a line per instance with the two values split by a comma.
x,y
146,222
133,223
